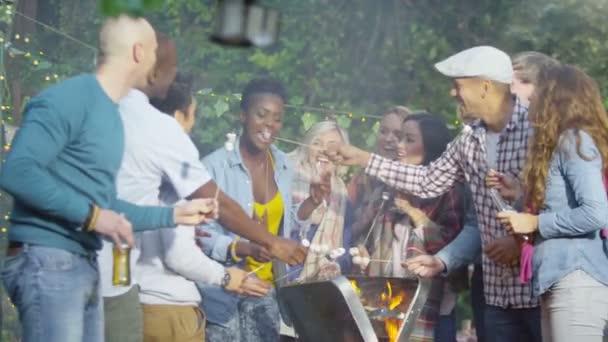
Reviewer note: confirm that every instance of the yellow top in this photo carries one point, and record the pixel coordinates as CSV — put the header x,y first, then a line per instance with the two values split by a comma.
x,y
273,214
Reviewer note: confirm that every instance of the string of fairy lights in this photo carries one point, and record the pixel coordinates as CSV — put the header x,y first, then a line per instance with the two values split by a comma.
x,y
37,58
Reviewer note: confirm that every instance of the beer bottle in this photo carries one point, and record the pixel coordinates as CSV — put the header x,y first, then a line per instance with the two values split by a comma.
x,y
121,274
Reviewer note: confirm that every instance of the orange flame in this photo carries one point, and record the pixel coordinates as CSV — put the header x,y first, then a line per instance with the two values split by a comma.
x,y
357,289
391,325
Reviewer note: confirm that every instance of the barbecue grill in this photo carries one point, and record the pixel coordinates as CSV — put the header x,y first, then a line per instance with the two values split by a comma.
x,y
355,308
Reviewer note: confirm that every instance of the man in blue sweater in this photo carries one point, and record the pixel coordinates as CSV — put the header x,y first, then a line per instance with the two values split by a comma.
x,y
61,172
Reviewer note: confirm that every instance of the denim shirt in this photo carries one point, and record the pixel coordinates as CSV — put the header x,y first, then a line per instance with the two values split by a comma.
x,y
575,210
466,246
231,175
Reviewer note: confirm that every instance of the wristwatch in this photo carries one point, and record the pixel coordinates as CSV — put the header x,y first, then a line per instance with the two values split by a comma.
x,y
226,279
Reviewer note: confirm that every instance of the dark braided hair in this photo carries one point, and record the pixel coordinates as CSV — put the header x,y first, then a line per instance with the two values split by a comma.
x,y
261,86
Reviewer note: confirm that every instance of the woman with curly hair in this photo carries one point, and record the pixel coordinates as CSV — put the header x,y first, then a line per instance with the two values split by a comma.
x,y
567,206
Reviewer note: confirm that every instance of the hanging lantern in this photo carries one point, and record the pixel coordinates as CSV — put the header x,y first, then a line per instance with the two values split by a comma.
x,y
245,23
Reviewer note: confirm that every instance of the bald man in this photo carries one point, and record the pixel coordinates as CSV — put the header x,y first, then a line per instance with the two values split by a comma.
x,y
61,173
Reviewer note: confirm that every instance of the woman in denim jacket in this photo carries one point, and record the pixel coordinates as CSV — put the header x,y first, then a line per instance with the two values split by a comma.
x,y
567,207
259,177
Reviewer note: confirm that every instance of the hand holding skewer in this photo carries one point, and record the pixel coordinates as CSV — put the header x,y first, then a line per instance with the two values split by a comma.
x,y
345,154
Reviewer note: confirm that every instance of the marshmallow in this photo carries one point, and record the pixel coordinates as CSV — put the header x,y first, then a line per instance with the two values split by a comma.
x,y
365,261
354,251
305,243
336,253
333,255
230,140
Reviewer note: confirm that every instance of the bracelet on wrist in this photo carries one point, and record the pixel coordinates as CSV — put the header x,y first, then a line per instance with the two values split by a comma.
x,y
235,257
91,220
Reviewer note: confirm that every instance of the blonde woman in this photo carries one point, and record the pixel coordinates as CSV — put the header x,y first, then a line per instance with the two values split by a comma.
x,y
325,206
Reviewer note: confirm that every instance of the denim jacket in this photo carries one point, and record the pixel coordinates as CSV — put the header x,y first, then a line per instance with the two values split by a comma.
x,y
231,175
466,246
574,211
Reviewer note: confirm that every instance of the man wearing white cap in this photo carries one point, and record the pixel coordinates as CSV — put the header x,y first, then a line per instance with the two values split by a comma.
x,y
495,140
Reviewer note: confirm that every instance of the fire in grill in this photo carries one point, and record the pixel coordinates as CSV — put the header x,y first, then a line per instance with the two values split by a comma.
x,y
355,308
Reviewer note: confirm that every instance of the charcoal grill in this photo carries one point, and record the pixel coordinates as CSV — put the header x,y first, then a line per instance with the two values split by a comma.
x,y
332,310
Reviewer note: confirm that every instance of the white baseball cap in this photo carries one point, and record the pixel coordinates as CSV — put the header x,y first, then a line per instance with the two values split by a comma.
x,y
481,61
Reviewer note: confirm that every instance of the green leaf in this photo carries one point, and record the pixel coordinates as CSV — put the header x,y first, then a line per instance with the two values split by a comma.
x,y
131,7
308,120
44,65
220,107
343,121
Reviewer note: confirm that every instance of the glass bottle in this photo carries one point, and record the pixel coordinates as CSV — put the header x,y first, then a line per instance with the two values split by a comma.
x,y
121,273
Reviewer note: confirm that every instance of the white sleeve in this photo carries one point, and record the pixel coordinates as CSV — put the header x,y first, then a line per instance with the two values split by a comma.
x,y
181,164
184,257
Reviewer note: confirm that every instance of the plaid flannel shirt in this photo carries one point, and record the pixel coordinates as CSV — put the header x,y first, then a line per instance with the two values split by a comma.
x,y
465,159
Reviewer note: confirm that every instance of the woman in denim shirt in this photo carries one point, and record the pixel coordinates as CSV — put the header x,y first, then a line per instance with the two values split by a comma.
x,y
563,181
259,177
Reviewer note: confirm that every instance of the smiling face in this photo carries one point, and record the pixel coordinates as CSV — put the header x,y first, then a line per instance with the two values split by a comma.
x,y
319,143
469,94
389,135
411,147
262,120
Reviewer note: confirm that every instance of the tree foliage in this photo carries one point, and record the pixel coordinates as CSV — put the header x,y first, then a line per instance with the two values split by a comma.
x,y
353,58
346,56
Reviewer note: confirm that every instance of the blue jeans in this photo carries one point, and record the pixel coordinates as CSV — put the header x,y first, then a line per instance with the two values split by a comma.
x,y
509,325
445,329
56,293
257,320
478,302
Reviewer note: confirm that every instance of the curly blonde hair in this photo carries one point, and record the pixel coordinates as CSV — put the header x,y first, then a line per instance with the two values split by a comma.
x,y
566,99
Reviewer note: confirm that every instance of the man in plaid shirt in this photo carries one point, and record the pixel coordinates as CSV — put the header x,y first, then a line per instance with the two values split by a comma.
x,y
497,140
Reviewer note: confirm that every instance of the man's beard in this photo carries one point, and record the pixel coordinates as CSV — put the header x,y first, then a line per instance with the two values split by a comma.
x,y
465,116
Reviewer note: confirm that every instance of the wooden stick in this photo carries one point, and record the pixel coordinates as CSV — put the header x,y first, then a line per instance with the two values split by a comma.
x,y
257,269
294,142
288,274
386,261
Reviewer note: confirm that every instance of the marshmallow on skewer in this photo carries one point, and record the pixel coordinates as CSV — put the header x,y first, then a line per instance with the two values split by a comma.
x,y
336,253
333,255
354,251
365,261
305,243
230,141
315,248
361,261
